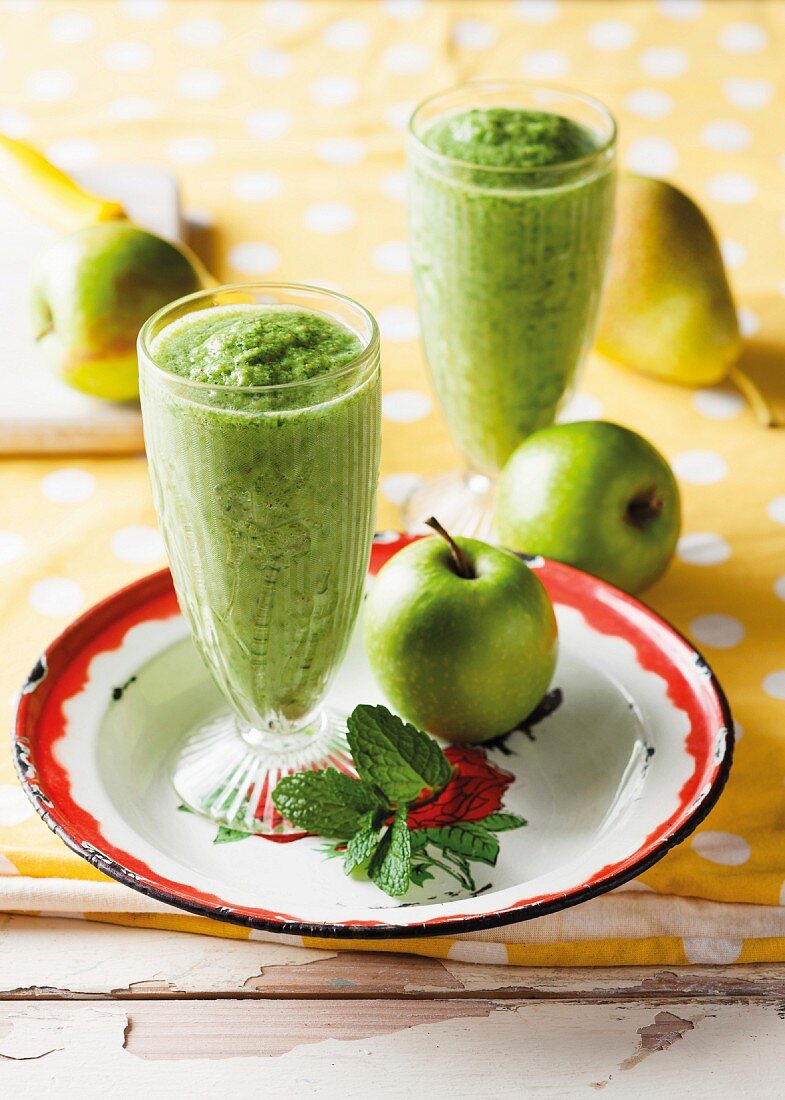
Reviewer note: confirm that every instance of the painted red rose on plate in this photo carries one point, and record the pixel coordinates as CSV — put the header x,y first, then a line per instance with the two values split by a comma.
x,y
475,792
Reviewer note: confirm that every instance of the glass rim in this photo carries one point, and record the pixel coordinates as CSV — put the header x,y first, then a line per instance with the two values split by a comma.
x,y
368,352
524,170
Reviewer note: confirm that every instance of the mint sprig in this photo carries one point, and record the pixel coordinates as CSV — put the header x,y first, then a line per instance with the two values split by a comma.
x,y
396,764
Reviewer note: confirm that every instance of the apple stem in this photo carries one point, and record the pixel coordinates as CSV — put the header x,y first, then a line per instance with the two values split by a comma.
x,y
462,565
43,332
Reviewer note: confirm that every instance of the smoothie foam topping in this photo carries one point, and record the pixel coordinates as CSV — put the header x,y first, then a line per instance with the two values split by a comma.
x,y
501,137
255,346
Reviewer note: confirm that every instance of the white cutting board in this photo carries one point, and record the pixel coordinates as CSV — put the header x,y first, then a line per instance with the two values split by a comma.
x,y
39,414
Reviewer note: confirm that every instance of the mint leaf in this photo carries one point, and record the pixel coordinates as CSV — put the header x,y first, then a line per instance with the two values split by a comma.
x,y
468,839
313,801
391,864
499,823
397,758
362,845
352,792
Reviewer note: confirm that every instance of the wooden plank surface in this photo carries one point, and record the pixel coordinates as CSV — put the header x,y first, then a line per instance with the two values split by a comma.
x,y
104,1011
471,1049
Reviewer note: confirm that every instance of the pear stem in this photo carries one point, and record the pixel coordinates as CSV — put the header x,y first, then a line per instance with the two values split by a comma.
x,y
462,566
757,400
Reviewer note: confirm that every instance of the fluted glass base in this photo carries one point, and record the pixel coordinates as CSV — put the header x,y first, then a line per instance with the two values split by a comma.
x,y
461,500
227,771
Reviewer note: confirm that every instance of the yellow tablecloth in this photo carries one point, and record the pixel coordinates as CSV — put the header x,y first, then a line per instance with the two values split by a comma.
x,y
284,122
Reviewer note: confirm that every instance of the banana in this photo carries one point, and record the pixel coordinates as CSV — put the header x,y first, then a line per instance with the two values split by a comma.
x,y
30,180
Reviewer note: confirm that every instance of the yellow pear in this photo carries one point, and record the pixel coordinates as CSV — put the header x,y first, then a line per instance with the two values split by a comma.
x,y
668,309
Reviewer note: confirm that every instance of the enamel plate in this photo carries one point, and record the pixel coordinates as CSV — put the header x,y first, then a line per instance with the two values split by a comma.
x,y
625,756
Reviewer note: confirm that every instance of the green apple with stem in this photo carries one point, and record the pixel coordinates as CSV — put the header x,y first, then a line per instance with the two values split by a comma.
x,y
461,636
595,495
92,292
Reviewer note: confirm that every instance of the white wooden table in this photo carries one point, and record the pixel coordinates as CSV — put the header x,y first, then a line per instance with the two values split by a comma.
x,y
91,1010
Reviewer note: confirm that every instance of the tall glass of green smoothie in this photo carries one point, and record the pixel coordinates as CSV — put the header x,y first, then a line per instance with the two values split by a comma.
x,y
261,409
510,216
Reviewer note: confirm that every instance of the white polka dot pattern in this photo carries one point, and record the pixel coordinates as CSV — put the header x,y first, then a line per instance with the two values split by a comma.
x,y
717,631
56,596
392,257
703,548
70,28
545,64
12,546
727,849
405,406
15,807
398,487
700,467
256,186
268,123
652,156
190,150
774,684
254,258
538,12
474,34
329,217
398,323
611,34
750,93
665,62
269,62
334,91
72,153
128,57
726,136
69,485
732,187
718,403
341,152
649,103
137,544
712,950
200,34
582,406
49,85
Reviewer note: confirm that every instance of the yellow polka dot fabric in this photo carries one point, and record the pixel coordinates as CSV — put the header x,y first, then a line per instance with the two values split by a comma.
x,y
284,121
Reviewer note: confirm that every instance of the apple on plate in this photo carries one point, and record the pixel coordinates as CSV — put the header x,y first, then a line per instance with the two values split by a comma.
x,y
595,495
92,292
461,636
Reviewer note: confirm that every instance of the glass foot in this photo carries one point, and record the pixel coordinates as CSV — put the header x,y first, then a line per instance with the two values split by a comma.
x,y
227,771
462,501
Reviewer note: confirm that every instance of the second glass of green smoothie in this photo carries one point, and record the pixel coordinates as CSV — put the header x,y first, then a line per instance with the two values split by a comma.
x,y
510,216
261,409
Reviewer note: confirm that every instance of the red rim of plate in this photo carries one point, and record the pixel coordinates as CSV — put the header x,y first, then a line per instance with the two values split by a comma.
x,y
62,671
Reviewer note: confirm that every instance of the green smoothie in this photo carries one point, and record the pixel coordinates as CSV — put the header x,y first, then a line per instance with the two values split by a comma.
x,y
262,429
510,214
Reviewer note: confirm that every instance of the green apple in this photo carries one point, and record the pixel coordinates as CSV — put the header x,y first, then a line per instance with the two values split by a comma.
x,y
461,637
92,292
595,495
